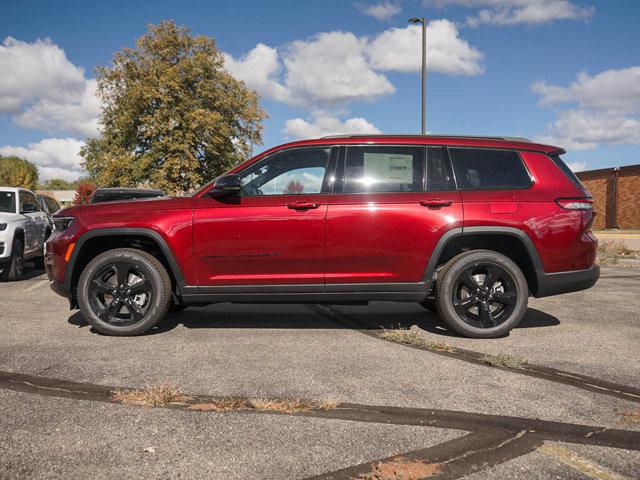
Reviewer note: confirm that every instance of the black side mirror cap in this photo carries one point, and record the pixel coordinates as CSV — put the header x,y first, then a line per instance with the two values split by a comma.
x,y
225,185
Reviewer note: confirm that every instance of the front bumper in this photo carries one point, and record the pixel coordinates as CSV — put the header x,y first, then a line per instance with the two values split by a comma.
x,y
566,282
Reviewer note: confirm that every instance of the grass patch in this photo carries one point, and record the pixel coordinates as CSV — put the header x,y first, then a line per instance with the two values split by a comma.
x,y
503,360
611,251
630,417
400,468
155,396
289,405
410,337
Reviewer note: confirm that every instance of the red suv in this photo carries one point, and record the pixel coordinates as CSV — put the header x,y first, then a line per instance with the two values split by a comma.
x,y
469,226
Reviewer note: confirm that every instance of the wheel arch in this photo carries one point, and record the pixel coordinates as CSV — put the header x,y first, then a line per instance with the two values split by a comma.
x,y
100,240
509,241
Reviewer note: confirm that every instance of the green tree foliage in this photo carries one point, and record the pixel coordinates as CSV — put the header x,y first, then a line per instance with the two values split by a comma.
x,y
172,117
18,172
57,184
83,193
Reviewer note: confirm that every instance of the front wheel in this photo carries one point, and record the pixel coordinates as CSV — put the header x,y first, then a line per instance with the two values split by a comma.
x,y
14,269
124,292
482,294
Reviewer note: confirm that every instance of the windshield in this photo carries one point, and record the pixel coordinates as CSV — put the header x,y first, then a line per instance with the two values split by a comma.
x,y
7,202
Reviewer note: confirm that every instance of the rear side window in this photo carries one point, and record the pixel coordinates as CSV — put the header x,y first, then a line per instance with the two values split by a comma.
x,y
383,169
565,169
488,169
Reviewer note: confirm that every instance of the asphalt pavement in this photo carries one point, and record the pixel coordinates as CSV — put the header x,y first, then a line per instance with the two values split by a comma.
x,y
569,410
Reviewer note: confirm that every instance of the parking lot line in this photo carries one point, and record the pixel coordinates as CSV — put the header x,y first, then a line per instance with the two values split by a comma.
x,y
41,283
578,463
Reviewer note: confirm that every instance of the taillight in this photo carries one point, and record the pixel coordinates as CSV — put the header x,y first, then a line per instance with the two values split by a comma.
x,y
575,203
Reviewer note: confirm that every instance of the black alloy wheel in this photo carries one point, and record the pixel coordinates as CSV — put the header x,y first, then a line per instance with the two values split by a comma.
x,y
481,294
124,292
484,295
120,293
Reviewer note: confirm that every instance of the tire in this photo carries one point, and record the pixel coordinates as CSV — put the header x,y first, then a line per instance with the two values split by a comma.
x,y
124,292
38,262
14,268
473,309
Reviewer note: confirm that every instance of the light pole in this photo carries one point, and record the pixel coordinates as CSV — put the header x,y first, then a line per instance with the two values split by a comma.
x,y
423,21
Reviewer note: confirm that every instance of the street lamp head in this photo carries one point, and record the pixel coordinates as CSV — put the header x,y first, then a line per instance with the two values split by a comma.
x,y
416,20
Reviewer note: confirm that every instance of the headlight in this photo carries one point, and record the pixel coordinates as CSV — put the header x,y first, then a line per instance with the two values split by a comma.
x,y
3,226
62,223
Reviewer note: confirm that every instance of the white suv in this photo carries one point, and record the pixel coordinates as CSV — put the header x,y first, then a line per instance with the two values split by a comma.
x,y
24,227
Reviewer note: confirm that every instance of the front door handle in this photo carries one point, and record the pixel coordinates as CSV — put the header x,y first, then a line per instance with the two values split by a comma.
x,y
436,203
302,205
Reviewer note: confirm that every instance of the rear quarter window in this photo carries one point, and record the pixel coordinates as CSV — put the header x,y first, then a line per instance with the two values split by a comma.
x,y
483,169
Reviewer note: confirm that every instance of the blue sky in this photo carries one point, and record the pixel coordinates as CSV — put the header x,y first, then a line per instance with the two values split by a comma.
x,y
563,71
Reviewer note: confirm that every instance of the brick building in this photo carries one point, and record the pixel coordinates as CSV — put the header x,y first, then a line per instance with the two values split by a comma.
x,y
616,194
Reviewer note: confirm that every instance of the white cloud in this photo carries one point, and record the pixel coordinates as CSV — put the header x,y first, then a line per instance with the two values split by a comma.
x,y
42,89
332,68
611,90
55,157
399,49
577,166
335,68
323,125
608,109
259,69
384,10
515,12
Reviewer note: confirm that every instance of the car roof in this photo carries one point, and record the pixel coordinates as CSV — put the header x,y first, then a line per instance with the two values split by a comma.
x,y
129,190
10,189
515,143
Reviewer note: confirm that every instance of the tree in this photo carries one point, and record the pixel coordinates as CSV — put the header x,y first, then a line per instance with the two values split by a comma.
x,y
18,172
83,193
172,116
57,184
294,187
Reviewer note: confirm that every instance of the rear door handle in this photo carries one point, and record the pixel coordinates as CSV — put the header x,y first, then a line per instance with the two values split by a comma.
x,y
436,203
302,205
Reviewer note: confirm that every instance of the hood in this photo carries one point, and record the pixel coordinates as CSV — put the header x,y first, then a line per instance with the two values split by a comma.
x,y
10,217
140,205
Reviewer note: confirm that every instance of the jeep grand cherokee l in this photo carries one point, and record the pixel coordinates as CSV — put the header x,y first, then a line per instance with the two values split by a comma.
x,y
470,226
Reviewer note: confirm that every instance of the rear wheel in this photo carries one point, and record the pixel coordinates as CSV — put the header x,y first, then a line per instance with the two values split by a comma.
x,y
124,292
14,268
482,294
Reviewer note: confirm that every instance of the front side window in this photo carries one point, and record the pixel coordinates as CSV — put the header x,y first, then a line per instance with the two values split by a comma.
x,y
478,169
293,172
7,202
28,197
383,169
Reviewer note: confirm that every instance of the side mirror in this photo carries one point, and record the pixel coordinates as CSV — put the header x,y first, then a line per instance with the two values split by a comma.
x,y
225,185
28,208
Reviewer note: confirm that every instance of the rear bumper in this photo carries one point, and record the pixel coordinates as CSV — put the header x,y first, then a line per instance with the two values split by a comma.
x,y
566,282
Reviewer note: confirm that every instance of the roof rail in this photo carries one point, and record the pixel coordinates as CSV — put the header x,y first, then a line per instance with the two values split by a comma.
x,y
485,137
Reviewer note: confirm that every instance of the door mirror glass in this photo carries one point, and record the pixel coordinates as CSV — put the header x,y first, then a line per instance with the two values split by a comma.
x,y
28,208
225,185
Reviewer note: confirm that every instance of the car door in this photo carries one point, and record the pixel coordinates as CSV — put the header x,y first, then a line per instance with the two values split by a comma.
x,y
273,232
391,204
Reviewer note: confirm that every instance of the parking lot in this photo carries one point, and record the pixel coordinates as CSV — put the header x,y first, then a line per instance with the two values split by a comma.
x,y
558,398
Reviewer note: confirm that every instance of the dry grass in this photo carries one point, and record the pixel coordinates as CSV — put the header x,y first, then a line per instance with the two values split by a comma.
x,y
503,360
410,337
610,251
153,396
284,405
400,468
630,417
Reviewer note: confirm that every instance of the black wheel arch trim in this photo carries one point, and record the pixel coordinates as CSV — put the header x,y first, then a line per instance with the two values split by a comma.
x,y
484,230
104,232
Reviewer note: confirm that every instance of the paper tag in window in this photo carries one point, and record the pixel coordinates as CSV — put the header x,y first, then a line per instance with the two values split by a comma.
x,y
388,167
